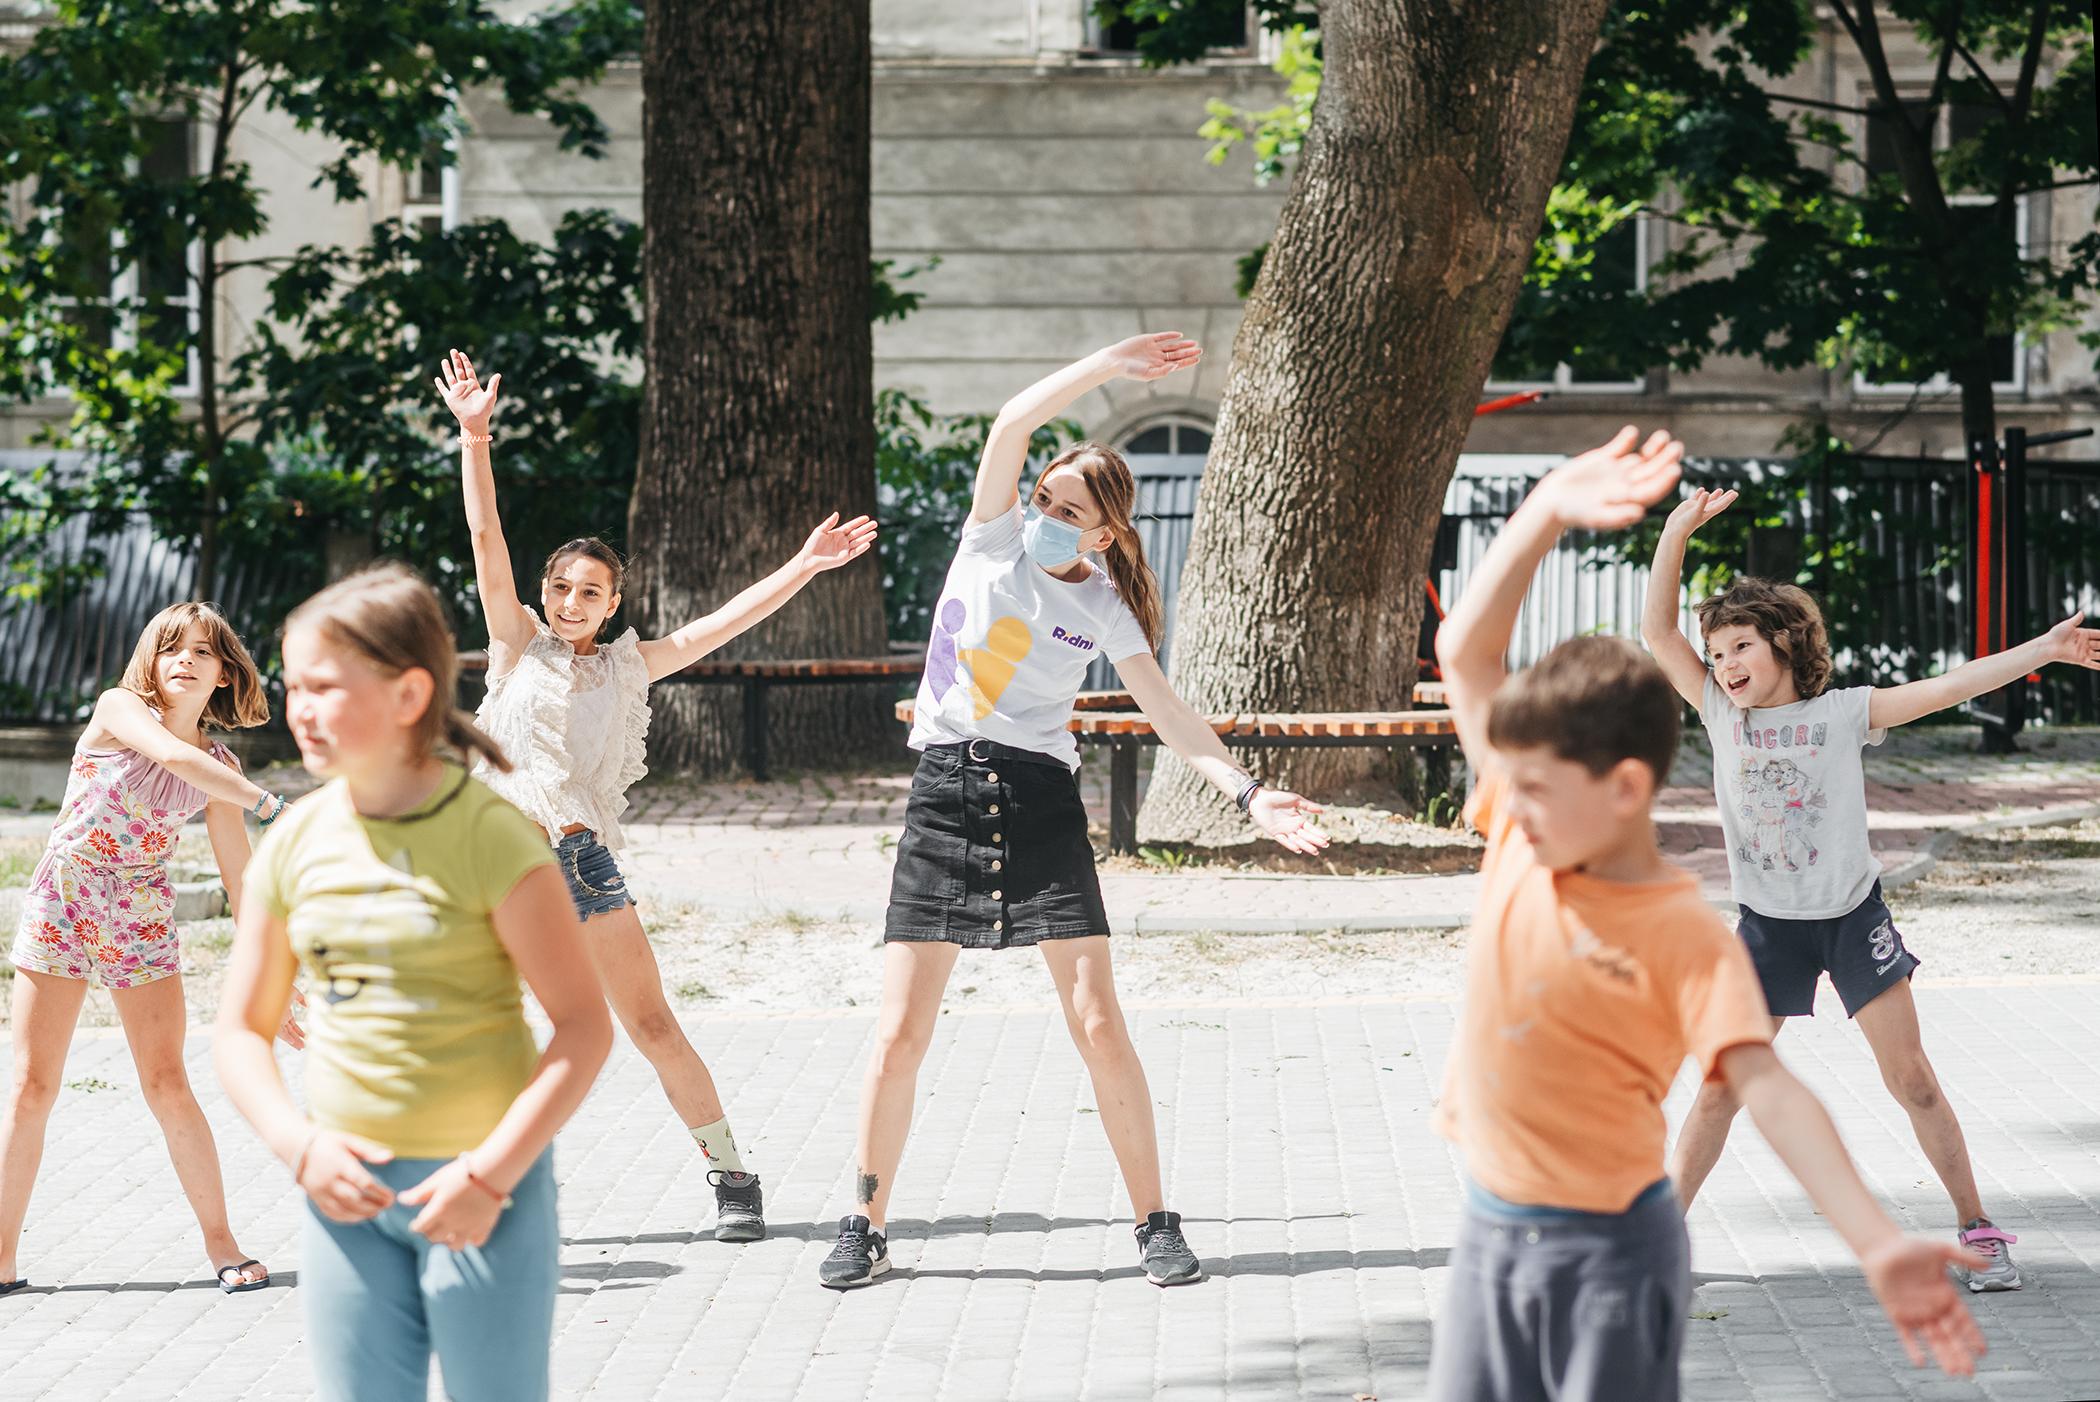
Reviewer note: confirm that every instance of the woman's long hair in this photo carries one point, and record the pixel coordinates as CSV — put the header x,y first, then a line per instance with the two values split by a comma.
x,y
1114,488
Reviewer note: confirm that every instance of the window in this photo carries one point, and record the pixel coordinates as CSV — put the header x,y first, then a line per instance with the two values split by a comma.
x,y
1119,38
1950,125
431,199
1174,439
1619,265
153,297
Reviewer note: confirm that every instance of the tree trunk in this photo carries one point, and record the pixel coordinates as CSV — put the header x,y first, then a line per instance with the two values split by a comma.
x,y
758,410
1436,138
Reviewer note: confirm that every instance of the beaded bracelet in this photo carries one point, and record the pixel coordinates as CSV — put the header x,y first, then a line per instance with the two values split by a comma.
x,y
469,439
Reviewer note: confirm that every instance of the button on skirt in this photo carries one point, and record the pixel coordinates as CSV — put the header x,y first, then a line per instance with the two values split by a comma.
x,y
995,852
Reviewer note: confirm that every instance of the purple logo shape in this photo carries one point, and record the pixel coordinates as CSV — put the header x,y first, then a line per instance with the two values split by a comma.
x,y
941,662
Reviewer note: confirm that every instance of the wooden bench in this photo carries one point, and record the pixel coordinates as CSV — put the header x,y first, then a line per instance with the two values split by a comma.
x,y
753,678
1125,732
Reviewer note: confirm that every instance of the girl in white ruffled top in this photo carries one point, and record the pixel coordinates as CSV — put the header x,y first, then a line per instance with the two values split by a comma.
x,y
572,712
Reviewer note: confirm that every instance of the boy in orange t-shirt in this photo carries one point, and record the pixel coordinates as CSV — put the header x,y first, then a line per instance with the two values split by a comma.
x,y
1595,969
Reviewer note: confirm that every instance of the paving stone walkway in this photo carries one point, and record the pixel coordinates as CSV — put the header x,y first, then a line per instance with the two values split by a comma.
x,y
1296,1140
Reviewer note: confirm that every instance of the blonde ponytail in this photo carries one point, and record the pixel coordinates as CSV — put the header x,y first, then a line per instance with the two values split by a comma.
x,y
391,618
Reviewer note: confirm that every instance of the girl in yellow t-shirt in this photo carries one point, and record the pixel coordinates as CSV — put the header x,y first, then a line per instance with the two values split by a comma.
x,y
411,899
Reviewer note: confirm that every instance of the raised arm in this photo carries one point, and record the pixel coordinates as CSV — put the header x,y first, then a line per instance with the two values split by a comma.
x,y
1677,658
1907,1274
2066,642
1277,812
1147,357
472,403
124,716
1607,488
829,546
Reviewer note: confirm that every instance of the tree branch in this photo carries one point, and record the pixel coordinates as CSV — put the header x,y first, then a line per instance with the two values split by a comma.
x,y
1983,77
1813,102
1946,63
2031,61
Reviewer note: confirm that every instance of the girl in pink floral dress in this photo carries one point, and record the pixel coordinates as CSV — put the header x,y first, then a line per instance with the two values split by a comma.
x,y
100,906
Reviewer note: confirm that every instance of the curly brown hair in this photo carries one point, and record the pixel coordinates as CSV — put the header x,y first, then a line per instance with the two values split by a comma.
x,y
1785,616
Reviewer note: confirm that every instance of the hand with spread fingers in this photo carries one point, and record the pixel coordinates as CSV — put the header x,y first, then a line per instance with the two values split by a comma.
x,y
833,544
1283,815
1908,1275
470,401
1696,510
1611,487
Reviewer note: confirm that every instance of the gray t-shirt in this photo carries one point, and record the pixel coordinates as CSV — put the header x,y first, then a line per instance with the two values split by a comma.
x,y
1011,645
1793,799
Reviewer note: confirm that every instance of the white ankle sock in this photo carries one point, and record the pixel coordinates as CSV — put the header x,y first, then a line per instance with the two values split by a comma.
x,y
719,1145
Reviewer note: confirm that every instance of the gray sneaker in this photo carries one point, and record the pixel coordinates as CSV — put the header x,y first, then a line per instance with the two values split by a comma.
x,y
861,1256
1165,1253
1993,1245
740,1206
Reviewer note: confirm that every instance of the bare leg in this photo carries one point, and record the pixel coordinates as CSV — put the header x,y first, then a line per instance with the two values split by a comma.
x,y
914,976
1086,986
154,1024
1890,1023
1704,1134
635,988
46,1009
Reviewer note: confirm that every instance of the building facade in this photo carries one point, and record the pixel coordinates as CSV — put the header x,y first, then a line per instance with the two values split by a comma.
x,y
1063,191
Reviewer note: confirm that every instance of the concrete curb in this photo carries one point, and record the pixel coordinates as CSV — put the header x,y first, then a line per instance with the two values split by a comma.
x,y
1925,860
1919,864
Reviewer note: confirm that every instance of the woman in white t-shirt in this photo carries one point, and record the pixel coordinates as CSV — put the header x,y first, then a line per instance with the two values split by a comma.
x,y
571,709
995,851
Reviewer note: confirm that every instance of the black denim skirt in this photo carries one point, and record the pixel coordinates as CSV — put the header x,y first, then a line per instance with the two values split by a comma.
x,y
995,852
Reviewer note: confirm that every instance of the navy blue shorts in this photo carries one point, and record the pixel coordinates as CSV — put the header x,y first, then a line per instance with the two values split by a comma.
x,y
595,883
1860,950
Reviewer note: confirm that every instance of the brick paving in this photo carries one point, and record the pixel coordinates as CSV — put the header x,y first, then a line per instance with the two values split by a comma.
x,y
1295,1138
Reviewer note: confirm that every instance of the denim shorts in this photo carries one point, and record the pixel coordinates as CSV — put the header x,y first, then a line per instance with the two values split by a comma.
x,y
595,883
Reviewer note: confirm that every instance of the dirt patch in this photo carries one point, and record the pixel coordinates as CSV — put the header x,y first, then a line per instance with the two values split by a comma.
x,y
1367,841
2016,902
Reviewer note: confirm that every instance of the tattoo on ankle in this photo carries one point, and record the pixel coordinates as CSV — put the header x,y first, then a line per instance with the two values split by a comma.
x,y
868,1184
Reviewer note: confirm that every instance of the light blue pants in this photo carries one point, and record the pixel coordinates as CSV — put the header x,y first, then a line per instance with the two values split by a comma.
x,y
381,1298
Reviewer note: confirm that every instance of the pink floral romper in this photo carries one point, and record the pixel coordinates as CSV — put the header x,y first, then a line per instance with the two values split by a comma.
x,y
100,904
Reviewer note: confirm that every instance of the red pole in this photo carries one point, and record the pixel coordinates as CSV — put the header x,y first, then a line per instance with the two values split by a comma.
x,y
1508,401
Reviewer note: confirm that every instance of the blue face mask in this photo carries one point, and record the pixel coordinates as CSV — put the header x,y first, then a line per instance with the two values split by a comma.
x,y
1051,544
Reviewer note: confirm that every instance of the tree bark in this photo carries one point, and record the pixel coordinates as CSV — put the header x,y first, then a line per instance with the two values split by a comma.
x,y
1398,255
758,409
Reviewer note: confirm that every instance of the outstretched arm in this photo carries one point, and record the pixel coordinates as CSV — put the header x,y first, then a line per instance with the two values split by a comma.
x,y
1278,812
2066,642
472,402
1607,488
124,716
1679,661
1146,357
829,546
1907,1274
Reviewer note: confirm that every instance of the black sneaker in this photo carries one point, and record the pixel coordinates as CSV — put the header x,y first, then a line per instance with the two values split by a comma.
x,y
1164,1252
740,1209
860,1256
